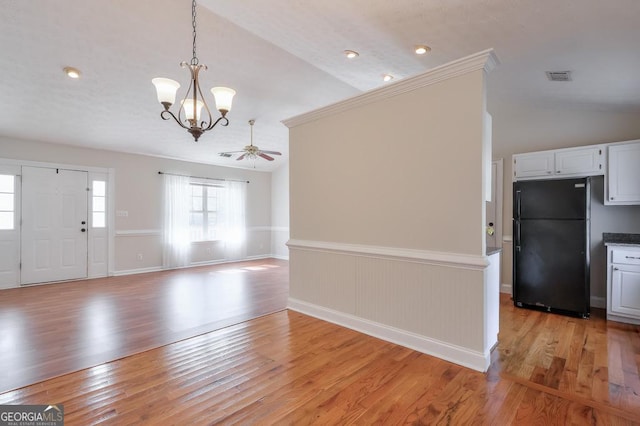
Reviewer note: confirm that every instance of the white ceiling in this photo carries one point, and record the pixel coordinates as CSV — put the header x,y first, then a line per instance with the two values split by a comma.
x,y
284,57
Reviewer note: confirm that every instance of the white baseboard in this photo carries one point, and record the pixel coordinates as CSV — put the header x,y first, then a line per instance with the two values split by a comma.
x,y
258,257
277,256
456,354
598,302
137,271
506,288
192,265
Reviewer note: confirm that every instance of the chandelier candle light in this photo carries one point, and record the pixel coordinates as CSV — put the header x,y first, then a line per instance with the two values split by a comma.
x,y
193,102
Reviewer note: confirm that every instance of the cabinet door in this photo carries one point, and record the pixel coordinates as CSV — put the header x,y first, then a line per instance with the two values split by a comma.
x,y
535,164
625,291
583,161
623,178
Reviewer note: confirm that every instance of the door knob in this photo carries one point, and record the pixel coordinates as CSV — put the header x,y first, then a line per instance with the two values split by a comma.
x,y
83,222
83,230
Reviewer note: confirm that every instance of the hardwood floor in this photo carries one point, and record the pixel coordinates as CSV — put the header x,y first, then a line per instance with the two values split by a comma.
x,y
54,329
288,368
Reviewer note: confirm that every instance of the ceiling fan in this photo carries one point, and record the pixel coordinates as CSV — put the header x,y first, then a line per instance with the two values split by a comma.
x,y
251,151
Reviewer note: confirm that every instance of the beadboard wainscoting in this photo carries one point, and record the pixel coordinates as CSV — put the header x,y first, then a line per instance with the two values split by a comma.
x,y
428,301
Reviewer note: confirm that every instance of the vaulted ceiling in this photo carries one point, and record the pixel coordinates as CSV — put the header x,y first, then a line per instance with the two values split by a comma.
x,y
284,57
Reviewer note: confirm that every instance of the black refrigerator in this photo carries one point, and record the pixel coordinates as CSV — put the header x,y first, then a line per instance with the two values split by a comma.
x,y
551,245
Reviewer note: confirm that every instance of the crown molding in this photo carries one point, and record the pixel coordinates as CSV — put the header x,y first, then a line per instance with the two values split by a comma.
x,y
485,60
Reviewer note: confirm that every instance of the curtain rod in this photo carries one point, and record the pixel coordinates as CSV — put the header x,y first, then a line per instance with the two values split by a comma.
x,y
201,177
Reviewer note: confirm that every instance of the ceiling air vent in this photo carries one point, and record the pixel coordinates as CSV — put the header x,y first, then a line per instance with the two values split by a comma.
x,y
559,75
224,154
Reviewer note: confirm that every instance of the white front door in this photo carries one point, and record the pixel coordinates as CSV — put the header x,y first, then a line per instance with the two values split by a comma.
x,y
54,225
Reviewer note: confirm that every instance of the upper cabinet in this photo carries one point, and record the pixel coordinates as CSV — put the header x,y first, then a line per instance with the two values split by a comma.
x,y
623,175
570,162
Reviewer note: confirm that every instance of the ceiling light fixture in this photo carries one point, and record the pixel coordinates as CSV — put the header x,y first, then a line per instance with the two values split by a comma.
x,y
351,54
422,49
251,152
72,72
387,77
194,101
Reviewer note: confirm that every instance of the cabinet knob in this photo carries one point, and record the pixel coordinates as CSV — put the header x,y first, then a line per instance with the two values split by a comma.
x,y
557,171
615,268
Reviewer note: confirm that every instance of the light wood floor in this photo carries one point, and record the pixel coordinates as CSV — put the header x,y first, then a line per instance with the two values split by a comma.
x,y
288,368
54,329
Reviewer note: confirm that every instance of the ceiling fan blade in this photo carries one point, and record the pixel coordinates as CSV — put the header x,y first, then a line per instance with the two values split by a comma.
x,y
272,152
230,152
241,157
265,156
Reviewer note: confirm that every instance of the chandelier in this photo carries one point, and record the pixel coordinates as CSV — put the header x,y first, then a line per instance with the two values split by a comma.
x,y
189,113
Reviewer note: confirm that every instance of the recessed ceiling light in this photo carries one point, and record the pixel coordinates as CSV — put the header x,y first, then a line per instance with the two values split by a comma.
x,y
422,49
72,72
387,77
351,54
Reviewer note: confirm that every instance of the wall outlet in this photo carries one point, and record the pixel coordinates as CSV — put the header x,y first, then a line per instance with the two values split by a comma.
x,y
139,256
122,213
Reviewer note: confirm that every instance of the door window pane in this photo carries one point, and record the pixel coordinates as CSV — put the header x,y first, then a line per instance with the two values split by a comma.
x,y
99,188
98,204
6,202
99,220
6,220
7,183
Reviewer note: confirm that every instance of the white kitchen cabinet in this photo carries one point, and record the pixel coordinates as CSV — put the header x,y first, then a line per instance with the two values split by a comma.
x,y
534,164
583,161
623,286
570,162
623,175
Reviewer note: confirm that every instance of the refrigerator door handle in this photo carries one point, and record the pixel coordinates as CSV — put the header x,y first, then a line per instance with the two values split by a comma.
x,y
518,204
517,236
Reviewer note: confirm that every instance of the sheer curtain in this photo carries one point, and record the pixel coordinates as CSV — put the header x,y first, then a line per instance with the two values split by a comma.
x,y
234,234
176,238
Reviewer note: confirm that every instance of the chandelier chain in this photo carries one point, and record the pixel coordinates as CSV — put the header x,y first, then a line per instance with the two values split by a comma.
x,y
194,59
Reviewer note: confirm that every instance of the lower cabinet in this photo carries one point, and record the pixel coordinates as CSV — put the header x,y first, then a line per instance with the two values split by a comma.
x,y
623,287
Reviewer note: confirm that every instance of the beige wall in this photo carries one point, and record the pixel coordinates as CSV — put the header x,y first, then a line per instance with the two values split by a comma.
x,y
387,215
404,172
280,211
138,190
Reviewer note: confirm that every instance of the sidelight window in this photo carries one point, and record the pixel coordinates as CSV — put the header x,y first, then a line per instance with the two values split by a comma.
x,y
98,204
7,202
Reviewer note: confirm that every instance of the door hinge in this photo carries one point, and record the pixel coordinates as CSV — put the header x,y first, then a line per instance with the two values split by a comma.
x,y
600,165
599,152
88,189
20,265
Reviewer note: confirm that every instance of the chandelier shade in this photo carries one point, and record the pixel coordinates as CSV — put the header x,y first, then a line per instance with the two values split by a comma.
x,y
166,90
190,114
224,98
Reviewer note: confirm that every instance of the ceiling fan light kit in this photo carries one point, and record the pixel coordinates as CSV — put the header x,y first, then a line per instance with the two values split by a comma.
x,y
194,102
251,152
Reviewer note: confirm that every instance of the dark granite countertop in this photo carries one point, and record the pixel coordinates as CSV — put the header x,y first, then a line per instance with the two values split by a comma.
x,y
493,250
620,239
